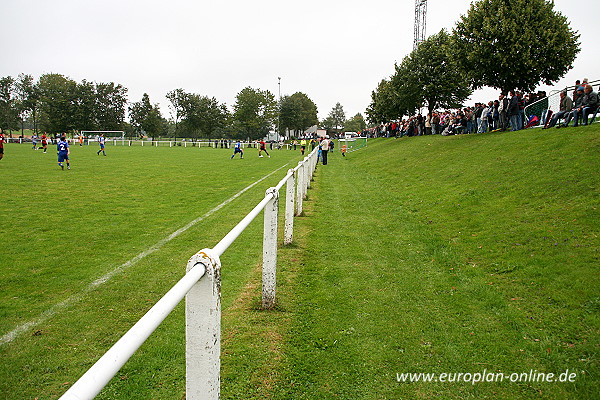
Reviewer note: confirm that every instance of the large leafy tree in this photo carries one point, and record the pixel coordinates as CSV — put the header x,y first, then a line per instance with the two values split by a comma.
x,y
254,113
145,117
202,116
297,112
514,44
429,76
85,110
58,103
111,105
289,113
388,104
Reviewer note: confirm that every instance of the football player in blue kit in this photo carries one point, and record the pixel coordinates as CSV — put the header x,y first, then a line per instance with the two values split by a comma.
x,y
101,142
63,152
238,149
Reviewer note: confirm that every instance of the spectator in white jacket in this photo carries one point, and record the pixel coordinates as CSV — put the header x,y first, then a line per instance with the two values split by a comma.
x,y
483,126
324,149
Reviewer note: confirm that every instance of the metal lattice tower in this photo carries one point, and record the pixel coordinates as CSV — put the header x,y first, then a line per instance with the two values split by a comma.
x,y
420,22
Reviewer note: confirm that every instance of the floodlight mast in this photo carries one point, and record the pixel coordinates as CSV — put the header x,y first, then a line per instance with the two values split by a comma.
x,y
420,22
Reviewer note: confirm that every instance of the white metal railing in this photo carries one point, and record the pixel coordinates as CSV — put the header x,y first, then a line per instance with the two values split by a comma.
x,y
226,144
550,103
153,143
185,143
201,286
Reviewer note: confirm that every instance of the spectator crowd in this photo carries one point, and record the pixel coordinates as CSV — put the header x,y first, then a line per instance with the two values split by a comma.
x,y
507,112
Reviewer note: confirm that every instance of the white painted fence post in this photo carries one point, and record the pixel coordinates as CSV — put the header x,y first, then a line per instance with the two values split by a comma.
x,y
299,189
308,162
306,178
288,228
269,268
203,330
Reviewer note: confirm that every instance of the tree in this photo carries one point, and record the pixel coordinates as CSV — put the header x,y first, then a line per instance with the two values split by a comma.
x,y
57,103
355,124
202,116
85,106
297,112
8,106
27,96
289,113
429,76
111,105
177,98
146,118
514,44
386,103
254,113
336,118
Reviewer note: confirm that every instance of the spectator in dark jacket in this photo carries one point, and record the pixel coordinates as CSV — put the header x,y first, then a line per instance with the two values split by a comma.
x,y
566,105
590,103
574,112
513,111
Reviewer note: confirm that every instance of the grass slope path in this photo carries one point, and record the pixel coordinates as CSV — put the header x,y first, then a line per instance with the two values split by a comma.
x,y
464,254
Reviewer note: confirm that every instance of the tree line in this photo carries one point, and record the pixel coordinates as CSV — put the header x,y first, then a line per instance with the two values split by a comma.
x,y
503,44
57,104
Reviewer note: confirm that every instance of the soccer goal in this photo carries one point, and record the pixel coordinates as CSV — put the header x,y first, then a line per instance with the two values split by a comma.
x,y
350,144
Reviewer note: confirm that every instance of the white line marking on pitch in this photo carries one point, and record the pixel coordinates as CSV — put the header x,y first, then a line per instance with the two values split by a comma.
x,y
12,335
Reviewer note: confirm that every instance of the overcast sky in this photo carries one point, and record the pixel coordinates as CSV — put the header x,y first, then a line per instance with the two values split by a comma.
x,y
332,50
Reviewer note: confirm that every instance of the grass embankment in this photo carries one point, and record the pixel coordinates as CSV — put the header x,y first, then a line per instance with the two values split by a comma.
x,y
436,254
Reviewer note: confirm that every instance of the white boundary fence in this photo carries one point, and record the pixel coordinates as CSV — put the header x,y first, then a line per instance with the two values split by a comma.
x,y
216,144
201,286
223,144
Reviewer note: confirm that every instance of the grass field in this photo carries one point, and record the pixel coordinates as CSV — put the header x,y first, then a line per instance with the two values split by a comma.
x,y
62,230
430,254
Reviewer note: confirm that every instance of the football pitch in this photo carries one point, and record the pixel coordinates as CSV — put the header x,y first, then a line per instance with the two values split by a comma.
x,y
458,255
86,251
